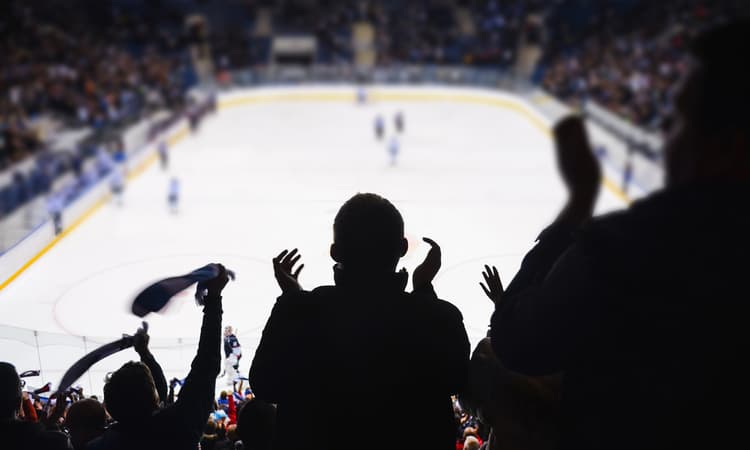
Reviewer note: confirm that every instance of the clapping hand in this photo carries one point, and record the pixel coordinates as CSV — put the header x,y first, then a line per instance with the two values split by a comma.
x,y
494,288
426,272
283,266
578,167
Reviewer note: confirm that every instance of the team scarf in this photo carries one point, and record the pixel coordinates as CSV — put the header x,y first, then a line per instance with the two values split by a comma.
x,y
155,297
82,366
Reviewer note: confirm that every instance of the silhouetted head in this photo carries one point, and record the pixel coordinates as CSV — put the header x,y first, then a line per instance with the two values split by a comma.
x,y
85,421
256,424
368,234
10,391
710,137
130,394
210,428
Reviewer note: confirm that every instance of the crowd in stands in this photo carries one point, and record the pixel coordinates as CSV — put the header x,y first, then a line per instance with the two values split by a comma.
x,y
628,56
97,68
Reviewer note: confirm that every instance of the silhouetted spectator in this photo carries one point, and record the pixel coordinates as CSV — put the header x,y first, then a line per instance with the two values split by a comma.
x,y
85,421
256,425
644,310
131,398
341,353
16,434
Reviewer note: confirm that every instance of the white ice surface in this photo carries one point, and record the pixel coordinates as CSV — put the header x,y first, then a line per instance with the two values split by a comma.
x,y
257,179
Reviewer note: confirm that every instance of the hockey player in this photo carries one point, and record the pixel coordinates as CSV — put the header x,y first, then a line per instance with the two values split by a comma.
x,y
379,127
398,121
117,183
163,154
173,197
232,354
361,96
393,149
55,208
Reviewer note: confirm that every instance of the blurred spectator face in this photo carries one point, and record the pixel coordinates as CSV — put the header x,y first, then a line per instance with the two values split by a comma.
x,y
10,391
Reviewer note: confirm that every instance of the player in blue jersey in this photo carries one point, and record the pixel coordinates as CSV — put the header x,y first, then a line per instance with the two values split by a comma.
x,y
393,149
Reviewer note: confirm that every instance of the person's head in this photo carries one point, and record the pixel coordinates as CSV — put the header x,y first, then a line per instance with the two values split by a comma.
x,y
471,443
210,428
256,423
130,394
223,395
232,434
10,391
368,234
85,421
228,331
710,137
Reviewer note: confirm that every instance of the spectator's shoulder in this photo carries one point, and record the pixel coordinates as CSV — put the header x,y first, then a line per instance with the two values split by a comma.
x,y
427,298
307,299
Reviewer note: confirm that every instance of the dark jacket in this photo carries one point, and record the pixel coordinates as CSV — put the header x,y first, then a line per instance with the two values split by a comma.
x,y
644,311
180,425
20,435
347,364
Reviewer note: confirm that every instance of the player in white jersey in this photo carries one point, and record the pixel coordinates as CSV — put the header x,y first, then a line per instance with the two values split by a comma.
x,y
173,197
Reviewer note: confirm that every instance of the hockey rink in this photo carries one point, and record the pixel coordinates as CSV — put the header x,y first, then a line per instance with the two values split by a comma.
x,y
263,177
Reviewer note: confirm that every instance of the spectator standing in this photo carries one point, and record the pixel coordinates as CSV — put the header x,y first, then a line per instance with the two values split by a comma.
x,y
640,309
337,351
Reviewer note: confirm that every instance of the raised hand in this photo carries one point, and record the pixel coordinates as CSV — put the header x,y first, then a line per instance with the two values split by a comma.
x,y
494,288
425,272
578,167
283,270
141,338
215,285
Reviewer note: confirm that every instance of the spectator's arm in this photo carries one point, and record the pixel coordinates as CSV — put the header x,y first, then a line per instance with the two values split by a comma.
x,y
140,344
539,318
157,373
232,410
29,412
197,394
543,315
